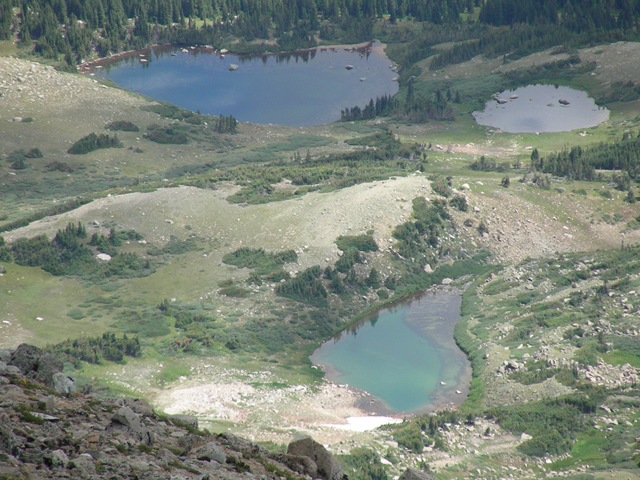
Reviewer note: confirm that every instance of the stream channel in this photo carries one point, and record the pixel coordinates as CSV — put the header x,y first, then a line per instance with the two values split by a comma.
x,y
404,355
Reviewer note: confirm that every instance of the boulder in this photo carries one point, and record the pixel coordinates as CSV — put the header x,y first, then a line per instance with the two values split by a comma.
x,y
5,355
47,404
138,405
184,421
63,385
26,358
10,370
242,445
57,459
300,464
328,467
210,451
132,422
48,366
8,441
84,463
413,474
36,363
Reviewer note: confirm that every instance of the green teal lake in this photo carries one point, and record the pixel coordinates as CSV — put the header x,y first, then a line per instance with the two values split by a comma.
x,y
295,89
405,355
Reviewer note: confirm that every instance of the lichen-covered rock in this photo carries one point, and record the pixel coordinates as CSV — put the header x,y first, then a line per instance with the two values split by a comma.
x,y
138,405
57,459
48,367
10,371
328,467
413,474
5,355
88,437
185,420
26,358
210,451
8,441
63,385
300,464
84,463
132,422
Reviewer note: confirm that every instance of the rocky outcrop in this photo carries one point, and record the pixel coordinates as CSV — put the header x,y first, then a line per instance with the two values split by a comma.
x,y
36,364
78,436
128,422
413,474
326,466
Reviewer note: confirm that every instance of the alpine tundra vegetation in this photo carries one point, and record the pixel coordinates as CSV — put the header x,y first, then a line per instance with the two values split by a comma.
x,y
195,261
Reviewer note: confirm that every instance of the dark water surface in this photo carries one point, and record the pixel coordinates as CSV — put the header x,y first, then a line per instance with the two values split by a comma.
x,y
402,354
301,89
538,109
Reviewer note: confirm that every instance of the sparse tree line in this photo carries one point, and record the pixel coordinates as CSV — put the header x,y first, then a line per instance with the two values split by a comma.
x,y
415,107
582,163
69,254
97,349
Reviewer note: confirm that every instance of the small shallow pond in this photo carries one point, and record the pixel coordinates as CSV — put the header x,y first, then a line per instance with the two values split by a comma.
x,y
404,355
295,89
541,108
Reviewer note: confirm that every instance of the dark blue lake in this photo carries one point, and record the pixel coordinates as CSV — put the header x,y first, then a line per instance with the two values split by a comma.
x,y
404,355
295,89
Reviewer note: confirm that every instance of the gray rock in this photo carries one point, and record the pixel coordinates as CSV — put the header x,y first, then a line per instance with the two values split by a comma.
x,y
8,441
128,418
243,445
46,404
186,441
48,366
57,459
5,355
210,451
84,463
328,467
184,421
62,384
413,474
4,381
45,416
300,464
11,371
26,358
133,423
138,405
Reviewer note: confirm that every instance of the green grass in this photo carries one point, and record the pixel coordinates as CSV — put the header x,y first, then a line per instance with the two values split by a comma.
x,y
29,293
8,48
618,357
588,448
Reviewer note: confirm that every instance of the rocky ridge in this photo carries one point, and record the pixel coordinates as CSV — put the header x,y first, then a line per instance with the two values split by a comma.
x,y
52,432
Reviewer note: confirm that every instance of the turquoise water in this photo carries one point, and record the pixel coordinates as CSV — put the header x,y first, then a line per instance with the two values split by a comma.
x,y
402,354
301,89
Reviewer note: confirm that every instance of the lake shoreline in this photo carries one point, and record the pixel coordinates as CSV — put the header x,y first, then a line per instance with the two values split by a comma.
x,y
86,67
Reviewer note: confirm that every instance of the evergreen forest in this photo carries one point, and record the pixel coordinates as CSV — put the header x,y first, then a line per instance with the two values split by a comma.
x,y
72,31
